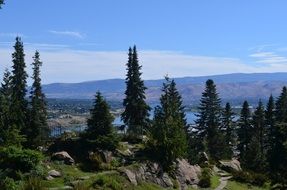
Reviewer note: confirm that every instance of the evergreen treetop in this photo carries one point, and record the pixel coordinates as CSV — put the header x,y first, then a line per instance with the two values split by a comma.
x,y
136,113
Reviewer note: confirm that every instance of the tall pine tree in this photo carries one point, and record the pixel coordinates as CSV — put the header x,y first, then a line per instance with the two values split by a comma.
x,y
38,130
208,122
278,153
168,138
228,128
244,132
136,113
19,104
256,152
100,132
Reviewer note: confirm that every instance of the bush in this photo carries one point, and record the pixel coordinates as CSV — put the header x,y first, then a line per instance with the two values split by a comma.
x,y
112,182
205,178
8,184
249,177
33,183
80,186
17,159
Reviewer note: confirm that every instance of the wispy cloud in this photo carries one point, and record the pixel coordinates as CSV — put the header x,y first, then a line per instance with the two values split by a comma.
x,y
68,33
11,35
269,58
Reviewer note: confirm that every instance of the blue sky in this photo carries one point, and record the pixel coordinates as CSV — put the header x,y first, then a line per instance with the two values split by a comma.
x,y
88,40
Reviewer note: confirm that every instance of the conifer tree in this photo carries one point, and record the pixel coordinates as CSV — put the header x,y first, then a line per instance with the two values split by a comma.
x,y
244,132
136,112
208,122
18,108
168,138
5,95
256,152
270,125
100,132
228,128
38,130
278,153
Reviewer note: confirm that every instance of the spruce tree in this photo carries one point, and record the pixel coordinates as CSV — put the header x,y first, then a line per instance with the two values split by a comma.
x,y
5,97
18,107
168,138
100,132
228,128
136,113
208,122
278,153
38,130
256,152
244,132
270,125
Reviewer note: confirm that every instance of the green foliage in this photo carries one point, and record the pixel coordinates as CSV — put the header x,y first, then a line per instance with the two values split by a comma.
x,y
136,112
33,183
228,128
252,178
209,121
18,159
112,182
100,133
205,178
81,186
167,137
18,107
244,132
8,184
38,130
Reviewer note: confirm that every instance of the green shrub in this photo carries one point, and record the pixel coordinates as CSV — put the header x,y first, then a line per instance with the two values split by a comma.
x,y
80,186
8,184
108,181
33,183
18,159
259,179
205,178
249,177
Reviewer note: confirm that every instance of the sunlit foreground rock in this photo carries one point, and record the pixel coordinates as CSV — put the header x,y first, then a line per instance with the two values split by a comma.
x,y
183,175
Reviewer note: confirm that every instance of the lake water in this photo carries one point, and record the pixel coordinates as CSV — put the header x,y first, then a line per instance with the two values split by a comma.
x,y
190,118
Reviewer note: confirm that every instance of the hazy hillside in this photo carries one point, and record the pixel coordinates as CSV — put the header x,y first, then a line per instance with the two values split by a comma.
x,y
235,87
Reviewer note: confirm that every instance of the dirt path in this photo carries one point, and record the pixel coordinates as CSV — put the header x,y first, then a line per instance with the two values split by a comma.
x,y
223,182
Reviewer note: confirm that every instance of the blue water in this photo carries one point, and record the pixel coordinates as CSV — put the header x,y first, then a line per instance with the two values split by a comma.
x,y
190,118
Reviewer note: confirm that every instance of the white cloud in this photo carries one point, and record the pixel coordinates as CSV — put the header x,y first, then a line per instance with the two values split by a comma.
x,y
269,58
68,33
66,65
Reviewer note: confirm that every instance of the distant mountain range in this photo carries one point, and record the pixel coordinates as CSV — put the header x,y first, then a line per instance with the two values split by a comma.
x,y
231,87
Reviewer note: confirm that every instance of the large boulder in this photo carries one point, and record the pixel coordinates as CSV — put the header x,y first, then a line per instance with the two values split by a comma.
x,y
63,156
233,164
187,174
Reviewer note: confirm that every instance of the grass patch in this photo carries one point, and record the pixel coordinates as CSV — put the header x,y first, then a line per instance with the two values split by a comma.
x,y
232,185
214,181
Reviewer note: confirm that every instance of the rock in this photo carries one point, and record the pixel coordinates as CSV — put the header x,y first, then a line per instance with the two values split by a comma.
x,y
131,176
49,178
233,164
187,174
63,156
54,173
166,180
203,158
107,156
